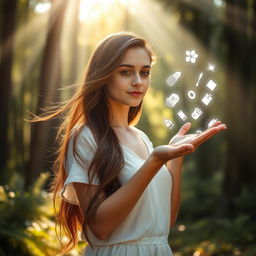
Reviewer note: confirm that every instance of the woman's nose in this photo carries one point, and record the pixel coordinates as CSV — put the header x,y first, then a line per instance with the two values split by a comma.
x,y
137,80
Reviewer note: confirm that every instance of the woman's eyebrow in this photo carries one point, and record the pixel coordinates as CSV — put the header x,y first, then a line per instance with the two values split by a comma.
x,y
131,66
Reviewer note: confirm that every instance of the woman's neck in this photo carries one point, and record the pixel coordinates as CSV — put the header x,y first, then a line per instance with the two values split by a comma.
x,y
119,114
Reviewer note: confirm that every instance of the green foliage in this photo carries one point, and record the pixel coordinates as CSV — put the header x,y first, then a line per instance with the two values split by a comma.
x,y
201,230
215,237
26,224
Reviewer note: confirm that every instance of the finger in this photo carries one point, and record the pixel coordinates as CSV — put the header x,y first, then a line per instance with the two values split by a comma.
x,y
204,135
215,128
215,124
222,126
208,134
184,129
208,137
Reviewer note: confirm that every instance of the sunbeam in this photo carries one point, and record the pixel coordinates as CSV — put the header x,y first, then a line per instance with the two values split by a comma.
x,y
27,36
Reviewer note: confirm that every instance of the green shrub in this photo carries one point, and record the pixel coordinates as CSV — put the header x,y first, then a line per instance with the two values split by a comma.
x,y
27,224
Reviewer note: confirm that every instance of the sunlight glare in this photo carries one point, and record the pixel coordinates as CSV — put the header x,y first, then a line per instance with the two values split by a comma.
x,y
219,3
42,7
92,9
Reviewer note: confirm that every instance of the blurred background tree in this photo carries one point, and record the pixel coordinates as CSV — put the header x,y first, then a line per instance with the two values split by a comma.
x,y
44,47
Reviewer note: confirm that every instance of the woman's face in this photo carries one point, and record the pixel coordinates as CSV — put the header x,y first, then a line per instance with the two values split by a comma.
x,y
130,81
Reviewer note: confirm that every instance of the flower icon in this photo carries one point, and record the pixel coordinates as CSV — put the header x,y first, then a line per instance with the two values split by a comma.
x,y
191,56
210,67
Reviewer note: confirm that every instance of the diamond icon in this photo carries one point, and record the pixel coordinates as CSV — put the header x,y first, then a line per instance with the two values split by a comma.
x,y
211,85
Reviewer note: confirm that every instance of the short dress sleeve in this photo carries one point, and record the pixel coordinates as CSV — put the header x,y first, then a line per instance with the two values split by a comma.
x,y
76,168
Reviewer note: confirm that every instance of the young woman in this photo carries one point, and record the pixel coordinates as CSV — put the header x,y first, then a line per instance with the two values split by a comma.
x,y
117,189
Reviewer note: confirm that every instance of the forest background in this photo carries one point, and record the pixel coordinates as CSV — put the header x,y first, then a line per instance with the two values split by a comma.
x,y
44,48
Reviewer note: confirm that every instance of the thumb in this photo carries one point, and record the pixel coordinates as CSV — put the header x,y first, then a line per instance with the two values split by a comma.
x,y
184,129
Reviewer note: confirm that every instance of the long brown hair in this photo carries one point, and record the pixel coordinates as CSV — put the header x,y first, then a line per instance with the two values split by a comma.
x,y
89,106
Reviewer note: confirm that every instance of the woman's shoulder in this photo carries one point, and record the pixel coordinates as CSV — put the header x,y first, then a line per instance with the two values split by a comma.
x,y
82,130
84,134
138,130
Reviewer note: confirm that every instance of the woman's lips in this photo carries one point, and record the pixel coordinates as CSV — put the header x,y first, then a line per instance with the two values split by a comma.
x,y
136,93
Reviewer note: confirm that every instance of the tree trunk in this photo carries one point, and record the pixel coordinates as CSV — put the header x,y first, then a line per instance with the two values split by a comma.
x,y
8,22
240,164
50,80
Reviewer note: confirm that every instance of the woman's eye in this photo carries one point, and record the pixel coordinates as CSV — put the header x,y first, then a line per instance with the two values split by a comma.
x,y
125,72
145,73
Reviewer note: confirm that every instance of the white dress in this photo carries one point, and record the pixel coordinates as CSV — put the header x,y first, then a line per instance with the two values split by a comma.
x,y
145,230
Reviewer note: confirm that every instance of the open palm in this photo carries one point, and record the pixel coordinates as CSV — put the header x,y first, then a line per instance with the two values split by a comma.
x,y
196,139
182,144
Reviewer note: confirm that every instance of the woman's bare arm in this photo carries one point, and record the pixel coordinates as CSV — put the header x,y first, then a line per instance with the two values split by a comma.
x,y
175,169
114,209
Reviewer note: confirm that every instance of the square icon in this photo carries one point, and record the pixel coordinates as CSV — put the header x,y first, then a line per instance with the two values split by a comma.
x,y
207,99
172,100
168,123
182,115
172,79
196,113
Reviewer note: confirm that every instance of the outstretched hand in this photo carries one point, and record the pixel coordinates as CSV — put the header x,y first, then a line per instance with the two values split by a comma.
x,y
196,139
182,144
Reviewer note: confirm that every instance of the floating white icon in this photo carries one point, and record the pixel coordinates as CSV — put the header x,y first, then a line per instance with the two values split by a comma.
x,y
172,100
191,94
211,85
191,56
210,67
197,112
212,122
168,123
172,79
198,132
207,99
199,78
182,115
